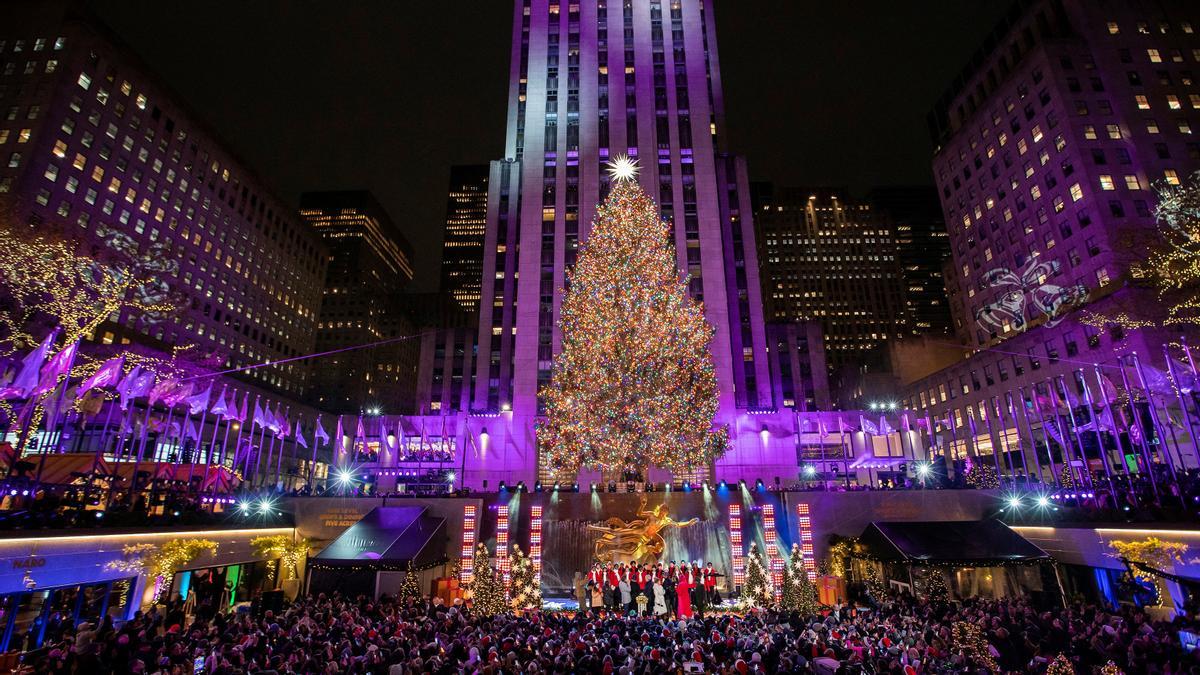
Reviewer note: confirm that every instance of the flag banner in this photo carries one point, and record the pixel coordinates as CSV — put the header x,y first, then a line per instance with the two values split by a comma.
x,y
107,375
221,405
867,427
179,395
58,366
319,433
259,420
299,434
198,403
191,432
339,438
137,383
159,391
884,426
30,373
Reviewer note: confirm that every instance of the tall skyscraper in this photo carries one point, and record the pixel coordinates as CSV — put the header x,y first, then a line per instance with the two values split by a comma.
x,y
827,257
922,249
589,81
462,248
93,140
1048,147
370,262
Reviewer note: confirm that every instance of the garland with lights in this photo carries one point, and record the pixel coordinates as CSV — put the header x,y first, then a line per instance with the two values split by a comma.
x,y
756,590
967,639
634,383
486,587
281,547
161,563
1147,554
525,588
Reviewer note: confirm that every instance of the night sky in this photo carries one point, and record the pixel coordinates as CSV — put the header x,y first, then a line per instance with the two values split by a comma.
x,y
388,94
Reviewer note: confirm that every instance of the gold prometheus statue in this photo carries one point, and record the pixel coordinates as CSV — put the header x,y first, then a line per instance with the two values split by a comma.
x,y
638,540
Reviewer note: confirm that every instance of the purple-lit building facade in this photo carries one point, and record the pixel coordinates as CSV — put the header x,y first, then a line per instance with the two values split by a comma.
x,y
1048,146
92,139
589,81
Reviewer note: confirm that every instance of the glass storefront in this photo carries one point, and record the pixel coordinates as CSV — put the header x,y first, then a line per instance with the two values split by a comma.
x,y
30,618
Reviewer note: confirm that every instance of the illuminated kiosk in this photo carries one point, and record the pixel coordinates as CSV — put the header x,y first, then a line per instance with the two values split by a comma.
x,y
373,555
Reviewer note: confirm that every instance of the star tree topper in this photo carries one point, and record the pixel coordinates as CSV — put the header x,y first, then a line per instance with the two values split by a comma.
x,y
623,167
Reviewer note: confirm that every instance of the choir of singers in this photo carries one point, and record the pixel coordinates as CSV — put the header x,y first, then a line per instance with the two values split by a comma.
x,y
678,588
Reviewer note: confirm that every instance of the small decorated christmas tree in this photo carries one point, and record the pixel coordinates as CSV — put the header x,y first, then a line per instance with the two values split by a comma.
x,y
526,587
982,476
410,590
1061,665
756,591
799,593
487,588
875,586
935,585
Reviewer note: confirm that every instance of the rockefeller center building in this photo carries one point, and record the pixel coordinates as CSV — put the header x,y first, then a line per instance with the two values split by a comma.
x,y
590,81
1049,148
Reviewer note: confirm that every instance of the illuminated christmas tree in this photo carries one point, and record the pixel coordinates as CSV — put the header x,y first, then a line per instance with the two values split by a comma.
x,y
875,586
410,590
633,385
935,585
526,587
756,591
487,587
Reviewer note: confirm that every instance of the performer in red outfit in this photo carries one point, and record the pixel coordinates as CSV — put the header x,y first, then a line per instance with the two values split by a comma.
x,y
683,589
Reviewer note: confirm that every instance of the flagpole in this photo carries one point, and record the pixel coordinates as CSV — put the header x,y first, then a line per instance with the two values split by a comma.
x,y
1055,478
1165,452
1037,460
31,402
1087,397
986,404
1004,442
1086,470
237,441
1187,416
282,448
1137,420
137,461
199,442
250,450
46,447
312,464
212,441
99,452
1116,433
262,437
1017,425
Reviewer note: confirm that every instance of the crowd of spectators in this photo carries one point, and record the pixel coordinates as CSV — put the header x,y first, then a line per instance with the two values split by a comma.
x,y
334,634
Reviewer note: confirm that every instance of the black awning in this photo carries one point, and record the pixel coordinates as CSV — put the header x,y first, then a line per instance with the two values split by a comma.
x,y
982,543
389,537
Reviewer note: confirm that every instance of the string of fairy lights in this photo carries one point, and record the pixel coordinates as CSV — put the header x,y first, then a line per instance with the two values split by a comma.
x,y
634,383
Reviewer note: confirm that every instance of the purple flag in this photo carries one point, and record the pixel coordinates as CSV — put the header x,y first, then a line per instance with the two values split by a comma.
x,y
320,434
259,420
178,396
220,406
244,410
198,403
159,391
135,385
108,375
867,426
31,366
300,436
884,427
58,366
339,438
189,431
